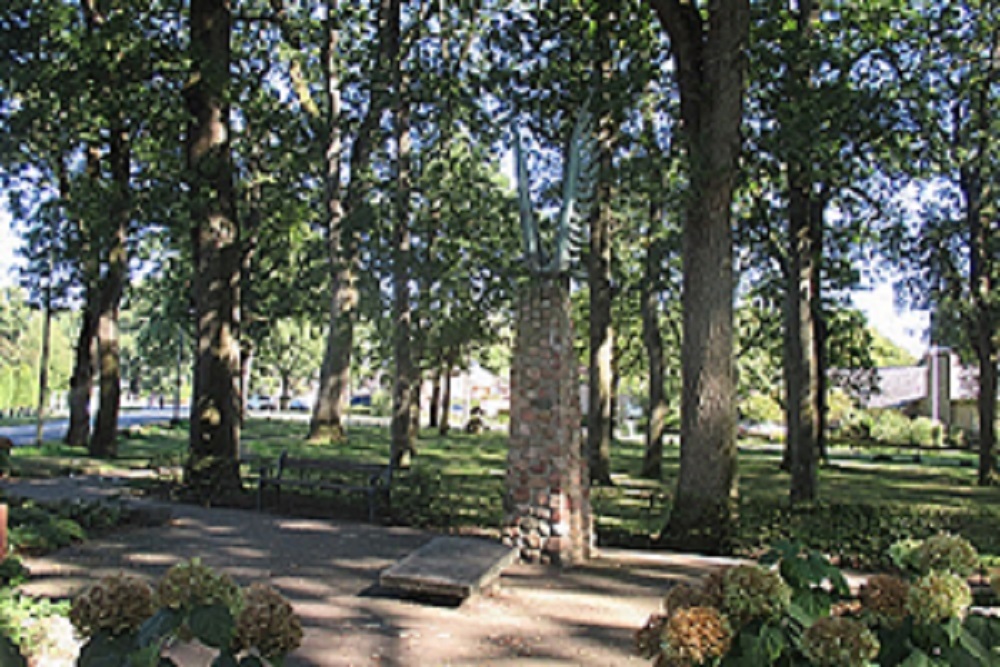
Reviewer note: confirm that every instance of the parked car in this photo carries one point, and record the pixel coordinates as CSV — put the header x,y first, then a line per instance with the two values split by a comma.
x,y
262,402
303,403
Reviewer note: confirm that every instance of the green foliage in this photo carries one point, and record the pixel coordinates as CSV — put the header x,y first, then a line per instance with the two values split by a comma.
x,y
892,622
891,427
43,527
858,534
125,623
20,617
37,530
761,408
12,572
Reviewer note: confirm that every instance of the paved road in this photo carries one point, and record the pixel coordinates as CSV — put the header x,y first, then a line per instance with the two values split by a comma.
x,y
56,428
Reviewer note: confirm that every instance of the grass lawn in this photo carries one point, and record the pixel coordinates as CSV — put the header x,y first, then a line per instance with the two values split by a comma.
x,y
867,501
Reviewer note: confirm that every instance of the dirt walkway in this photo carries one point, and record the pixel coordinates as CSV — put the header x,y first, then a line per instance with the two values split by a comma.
x,y
329,570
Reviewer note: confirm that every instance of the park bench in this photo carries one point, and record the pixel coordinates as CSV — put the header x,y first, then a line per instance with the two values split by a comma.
x,y
327,474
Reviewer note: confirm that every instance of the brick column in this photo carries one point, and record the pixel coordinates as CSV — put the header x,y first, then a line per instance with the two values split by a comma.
x,y
547,503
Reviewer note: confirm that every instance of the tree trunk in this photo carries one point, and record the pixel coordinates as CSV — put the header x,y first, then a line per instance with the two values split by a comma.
x,y
599,418
449,365
988,361
342,227
710,64
104,440
805,238
81,383
820,348
85,352
982,329
652,462
403,380
43,364
801,368
435,402
212,468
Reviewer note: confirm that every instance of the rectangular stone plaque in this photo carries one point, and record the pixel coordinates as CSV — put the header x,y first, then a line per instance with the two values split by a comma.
x,y
453,567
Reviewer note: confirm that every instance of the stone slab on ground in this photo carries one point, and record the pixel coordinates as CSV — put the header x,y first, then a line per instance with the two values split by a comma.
x,y
451,567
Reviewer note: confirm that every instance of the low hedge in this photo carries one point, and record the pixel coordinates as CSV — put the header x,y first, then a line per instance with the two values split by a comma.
x,y
858,534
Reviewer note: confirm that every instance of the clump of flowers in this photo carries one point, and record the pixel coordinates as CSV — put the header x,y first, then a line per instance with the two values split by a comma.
x,y
695,635
115,605
191,584
947,553
938,596
752,593
684,596
835,641
884,598
905,554
267,623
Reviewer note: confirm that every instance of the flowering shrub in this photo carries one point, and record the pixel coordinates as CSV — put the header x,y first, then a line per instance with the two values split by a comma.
x,y
750,593
995,582
695,635
114,606
800,612
835,641
883,599
947,553
191,584
267,624
937,597
126,623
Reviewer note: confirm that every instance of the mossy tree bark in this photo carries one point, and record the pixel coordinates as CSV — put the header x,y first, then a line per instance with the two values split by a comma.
x,y
212,468
709,57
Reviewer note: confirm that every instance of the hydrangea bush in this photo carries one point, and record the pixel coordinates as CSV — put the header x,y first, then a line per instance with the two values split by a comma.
x,y
126,622
795,608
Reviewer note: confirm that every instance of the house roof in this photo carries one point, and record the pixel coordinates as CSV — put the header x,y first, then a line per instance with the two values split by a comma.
x,y
898,386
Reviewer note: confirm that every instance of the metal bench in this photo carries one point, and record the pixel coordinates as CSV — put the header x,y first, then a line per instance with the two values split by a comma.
x,y
328,474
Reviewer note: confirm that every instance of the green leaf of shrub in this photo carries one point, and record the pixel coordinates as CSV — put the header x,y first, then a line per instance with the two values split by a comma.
x,y
976,649
212,625
147,656
9,655
225,659
105,651
158,626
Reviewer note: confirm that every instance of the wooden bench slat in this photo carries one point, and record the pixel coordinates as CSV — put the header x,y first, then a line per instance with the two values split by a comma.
x,y
299,472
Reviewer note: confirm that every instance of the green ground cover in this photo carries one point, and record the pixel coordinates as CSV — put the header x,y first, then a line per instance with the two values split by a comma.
x,y
868,499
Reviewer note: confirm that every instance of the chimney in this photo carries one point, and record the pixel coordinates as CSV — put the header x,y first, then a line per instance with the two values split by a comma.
x,y
939,384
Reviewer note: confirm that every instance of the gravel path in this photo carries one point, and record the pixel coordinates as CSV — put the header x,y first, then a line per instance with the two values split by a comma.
x,y
329,570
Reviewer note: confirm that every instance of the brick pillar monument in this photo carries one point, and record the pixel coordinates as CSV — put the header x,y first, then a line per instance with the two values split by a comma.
x,y
547,502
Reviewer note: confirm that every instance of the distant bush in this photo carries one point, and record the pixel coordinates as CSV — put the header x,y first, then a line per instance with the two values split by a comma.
x,y
891,427
381,404
760,408
926,432
855,534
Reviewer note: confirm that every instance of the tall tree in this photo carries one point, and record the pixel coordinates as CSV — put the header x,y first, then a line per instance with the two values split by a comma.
x,y
600,385
404,375
802,304
954,255
215,236
347,214
708,44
